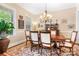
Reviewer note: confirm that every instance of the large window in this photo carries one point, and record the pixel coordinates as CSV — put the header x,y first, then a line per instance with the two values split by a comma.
x,y
7,15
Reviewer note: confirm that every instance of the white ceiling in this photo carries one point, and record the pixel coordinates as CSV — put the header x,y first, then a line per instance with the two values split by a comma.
x,y
37,8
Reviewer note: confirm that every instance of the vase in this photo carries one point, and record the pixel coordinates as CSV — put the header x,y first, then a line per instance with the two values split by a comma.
x,y
3,35
4,45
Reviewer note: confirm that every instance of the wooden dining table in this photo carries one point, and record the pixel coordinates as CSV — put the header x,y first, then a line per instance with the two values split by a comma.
x,y
57,39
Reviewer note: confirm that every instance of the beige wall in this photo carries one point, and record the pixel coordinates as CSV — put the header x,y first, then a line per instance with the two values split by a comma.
x,y
77,21
18,36
69,15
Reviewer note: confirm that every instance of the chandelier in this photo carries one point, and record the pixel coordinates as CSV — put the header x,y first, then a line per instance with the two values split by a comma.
x,y
45,16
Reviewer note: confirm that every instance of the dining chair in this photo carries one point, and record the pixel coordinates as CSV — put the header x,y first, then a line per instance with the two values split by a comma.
x,y
35,40
53,32
27,36
46,41
70,44
48,29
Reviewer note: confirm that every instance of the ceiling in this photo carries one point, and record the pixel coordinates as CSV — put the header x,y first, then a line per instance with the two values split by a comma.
x,y
36,8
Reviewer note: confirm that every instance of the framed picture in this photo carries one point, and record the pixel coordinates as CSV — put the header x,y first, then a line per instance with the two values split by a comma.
x,y
20,22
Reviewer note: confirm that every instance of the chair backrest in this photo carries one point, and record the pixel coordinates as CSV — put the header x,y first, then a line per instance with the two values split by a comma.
x,y
34,36
48,29
45,37
27,33
53,32
73,36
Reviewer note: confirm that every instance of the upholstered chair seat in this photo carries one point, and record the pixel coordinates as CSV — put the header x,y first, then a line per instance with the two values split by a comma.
x,y
67,44
48,45
68,40
35,42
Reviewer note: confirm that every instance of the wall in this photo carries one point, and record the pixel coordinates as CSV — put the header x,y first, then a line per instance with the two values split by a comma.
x,y
65,18
19,35
77,21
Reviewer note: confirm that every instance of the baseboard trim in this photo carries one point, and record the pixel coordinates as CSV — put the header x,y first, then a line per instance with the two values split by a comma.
x,y
16,43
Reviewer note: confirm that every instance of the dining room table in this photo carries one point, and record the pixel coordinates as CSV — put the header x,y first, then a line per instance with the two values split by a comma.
x,y
57,39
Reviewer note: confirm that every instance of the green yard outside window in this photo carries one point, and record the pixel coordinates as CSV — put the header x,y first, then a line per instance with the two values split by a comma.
x,y
7,16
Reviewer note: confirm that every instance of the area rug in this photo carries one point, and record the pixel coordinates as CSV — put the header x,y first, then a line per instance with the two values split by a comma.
x,y
23,50
45,52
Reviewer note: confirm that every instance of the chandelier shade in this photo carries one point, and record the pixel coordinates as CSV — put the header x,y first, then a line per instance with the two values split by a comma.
x,y
45,16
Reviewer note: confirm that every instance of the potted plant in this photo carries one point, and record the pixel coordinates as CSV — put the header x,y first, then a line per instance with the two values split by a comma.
x,y
5,29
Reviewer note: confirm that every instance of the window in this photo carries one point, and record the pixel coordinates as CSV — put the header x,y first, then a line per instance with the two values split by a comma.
x,y
28,23
7,15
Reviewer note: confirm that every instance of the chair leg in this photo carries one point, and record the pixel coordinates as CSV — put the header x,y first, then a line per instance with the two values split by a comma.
x,y
50,51
60,50
70,49
38,48
31,48
41,50
72,52
31,45
26,43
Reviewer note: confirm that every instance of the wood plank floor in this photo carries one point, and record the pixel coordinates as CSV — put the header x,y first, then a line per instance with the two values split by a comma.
x,y
17,47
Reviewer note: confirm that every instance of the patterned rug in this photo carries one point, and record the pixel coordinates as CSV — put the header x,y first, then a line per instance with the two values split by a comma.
x,y
22,50
45,52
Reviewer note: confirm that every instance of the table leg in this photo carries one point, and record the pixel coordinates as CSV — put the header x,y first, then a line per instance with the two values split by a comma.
x,y
56,48
55,45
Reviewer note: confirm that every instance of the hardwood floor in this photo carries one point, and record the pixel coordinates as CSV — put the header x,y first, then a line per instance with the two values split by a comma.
x,y
4,54
15,48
